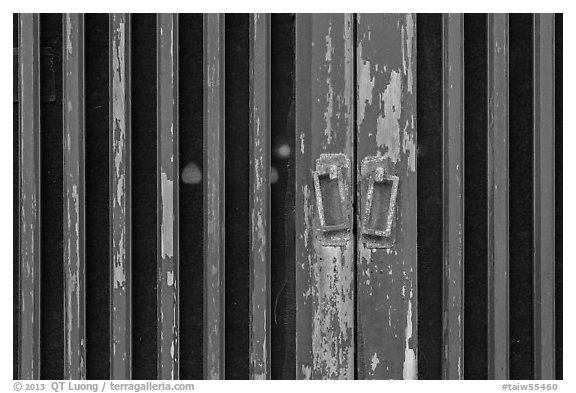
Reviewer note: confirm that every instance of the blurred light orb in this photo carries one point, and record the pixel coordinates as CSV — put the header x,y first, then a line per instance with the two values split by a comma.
x,y
283,151
273,175
191,174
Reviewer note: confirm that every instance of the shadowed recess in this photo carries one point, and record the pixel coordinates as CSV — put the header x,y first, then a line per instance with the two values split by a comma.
x,y
97,195
237,202
429,195
191,201
475,197
282,197
52,284
144,339
558,118
15,213
521,196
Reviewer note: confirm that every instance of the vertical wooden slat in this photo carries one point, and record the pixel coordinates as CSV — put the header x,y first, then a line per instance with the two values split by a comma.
x,y
120,199
167,191
544,197
453,196
29,173
324,125
260,131
214,196
74,198
498,272
386,121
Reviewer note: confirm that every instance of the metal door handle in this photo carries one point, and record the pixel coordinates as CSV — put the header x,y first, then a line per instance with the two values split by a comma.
x,y
332,199
378,219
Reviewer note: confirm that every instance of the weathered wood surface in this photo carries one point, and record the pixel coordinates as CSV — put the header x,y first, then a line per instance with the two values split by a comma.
x,y
453,196
386,123
324,124
544,197
120,199
214,196
167,191
498,255
74,199
260,242
29,179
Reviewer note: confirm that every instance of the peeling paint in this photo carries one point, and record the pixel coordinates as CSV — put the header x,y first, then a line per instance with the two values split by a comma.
x,y
408,41
330,94
388,127
168,259
324,278
365,84
410,366
409,147
120,361
308,211
69,26
167,227
259,199
375,362
74,263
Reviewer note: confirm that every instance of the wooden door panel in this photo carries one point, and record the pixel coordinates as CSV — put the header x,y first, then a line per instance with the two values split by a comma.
x,y
386,128
324,124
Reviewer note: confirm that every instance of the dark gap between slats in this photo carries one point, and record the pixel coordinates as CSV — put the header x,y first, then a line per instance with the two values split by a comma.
x,y
191,200
237,203
429,195
97,197
558,113
521,158
144,146
15,215
282,197
51,202
475,197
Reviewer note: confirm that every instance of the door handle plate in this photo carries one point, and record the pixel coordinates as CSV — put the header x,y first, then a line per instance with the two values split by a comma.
x,y
379,198
331,179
